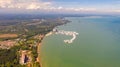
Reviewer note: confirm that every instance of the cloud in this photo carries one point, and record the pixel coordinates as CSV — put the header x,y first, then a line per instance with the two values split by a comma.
x,y
39,5
118,11
23,4
4,3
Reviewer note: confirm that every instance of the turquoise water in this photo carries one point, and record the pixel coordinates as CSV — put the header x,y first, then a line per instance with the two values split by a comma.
x,y
97,45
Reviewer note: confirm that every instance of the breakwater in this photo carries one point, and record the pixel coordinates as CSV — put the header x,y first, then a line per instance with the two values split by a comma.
x,y
68,33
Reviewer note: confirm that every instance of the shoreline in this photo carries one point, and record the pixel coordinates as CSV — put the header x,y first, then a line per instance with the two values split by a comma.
x,y
38,59
38,51
41,37
40,43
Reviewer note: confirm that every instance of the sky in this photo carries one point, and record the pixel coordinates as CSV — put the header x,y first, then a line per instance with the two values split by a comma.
x,y
60,6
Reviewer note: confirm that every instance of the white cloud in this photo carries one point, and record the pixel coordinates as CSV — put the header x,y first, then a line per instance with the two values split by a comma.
x,y
23,4
39,5
4,3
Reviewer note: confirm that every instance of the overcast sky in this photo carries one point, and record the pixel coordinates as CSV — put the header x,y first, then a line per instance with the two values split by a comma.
x,y
60,6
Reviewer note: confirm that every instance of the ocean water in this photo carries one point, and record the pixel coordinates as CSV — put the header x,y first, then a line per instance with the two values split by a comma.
x,y
97,45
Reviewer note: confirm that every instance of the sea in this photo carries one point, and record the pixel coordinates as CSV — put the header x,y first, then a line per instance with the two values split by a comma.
x,y
97,45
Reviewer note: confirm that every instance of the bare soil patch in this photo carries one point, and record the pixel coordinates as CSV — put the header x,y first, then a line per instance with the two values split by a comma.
x,y
8,35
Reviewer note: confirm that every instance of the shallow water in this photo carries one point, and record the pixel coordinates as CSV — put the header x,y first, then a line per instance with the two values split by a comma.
x,y
97,45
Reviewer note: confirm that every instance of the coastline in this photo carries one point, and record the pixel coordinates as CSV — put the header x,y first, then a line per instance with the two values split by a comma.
x,y
49,33
38,51
41,37
38,59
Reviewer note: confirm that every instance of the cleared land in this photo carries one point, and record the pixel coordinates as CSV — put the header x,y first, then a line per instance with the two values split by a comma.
x,y
8,35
